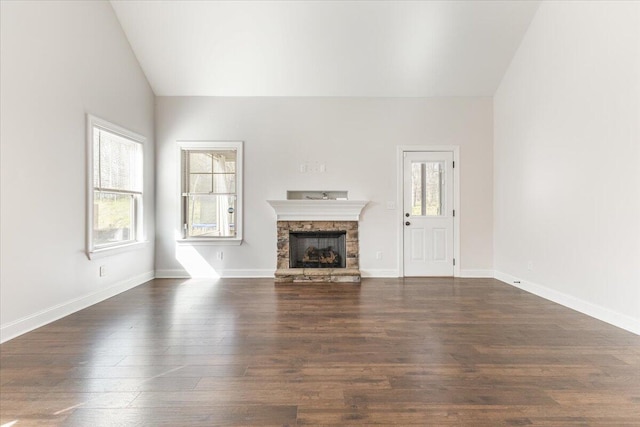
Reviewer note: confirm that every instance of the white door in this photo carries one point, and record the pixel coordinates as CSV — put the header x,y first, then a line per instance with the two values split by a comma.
x,y
428,213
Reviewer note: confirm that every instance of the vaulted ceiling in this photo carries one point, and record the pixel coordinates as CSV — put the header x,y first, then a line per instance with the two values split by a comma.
x,y
324,48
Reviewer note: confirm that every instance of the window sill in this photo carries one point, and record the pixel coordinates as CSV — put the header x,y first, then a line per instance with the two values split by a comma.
x,y
101,253
209,242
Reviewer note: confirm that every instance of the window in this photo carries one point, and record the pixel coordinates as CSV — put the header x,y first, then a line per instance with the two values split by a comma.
x,y
116,183
211,192
427,188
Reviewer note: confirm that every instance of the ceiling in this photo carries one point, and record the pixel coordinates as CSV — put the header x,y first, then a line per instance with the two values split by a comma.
x,y
324,48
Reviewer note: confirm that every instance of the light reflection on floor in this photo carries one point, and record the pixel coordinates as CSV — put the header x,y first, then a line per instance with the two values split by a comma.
x,y
194,263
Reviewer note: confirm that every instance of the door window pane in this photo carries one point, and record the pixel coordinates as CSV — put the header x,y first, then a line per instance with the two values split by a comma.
x,y
427,197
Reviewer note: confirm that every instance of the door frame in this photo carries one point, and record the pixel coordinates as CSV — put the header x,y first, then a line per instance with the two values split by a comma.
x,y
401,149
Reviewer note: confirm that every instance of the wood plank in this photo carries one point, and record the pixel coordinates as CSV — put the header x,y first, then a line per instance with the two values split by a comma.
x,y
445,352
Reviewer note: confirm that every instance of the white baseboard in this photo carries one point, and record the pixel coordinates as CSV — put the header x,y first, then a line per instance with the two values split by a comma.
x,y
394,273
172,274
249,274
28,323
258,273
179,273
479,274
371,273
378,273
623,321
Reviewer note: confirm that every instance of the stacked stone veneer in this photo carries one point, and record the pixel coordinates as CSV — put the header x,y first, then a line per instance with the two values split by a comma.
x,y
350,274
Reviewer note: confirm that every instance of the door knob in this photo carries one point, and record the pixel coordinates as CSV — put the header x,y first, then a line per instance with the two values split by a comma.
x,y
407,223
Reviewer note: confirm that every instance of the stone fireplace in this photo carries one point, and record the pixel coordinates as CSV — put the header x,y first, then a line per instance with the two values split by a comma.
x,y
292,266
317,240
317,249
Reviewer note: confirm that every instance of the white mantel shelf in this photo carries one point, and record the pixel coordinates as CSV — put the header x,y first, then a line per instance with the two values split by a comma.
x,y
318,210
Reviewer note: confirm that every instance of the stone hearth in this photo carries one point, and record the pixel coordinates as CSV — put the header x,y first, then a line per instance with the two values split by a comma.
x,y
286,274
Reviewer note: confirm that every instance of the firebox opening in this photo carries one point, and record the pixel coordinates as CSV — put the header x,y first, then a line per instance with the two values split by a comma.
x,y
317,249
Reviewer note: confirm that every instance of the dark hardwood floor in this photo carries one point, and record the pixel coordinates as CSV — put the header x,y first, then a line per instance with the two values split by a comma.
x,y
431,352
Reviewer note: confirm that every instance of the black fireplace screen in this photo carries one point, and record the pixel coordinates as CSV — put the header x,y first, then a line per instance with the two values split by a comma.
x,y
317,249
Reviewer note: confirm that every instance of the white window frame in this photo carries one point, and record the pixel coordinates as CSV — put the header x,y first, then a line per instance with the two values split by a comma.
x,y
211,145
138,242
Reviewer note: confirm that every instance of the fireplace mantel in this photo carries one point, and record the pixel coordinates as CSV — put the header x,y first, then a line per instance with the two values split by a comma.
x,y
318,210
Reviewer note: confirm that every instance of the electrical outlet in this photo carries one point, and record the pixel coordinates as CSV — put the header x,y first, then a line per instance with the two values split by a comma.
x,y
379,255
391,205
219,256
103,270
530,265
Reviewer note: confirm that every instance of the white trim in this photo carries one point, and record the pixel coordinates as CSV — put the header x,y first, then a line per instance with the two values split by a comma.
x,y
262,273
101,253
113,128
28,323
455,149
213,145
385,273
180,273
177,273
202,241
623,321
317,210
91,122
249,274
477,274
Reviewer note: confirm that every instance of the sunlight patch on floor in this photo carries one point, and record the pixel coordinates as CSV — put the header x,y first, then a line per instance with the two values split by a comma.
x,y
194,263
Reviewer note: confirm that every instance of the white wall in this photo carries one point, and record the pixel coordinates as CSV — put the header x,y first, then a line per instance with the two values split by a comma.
x,y
356,138
61,60
567,160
